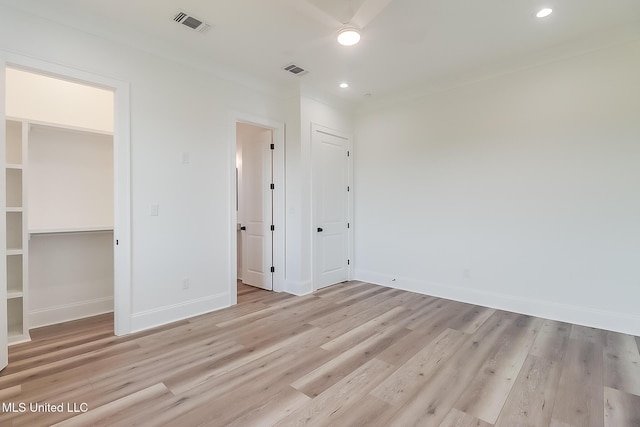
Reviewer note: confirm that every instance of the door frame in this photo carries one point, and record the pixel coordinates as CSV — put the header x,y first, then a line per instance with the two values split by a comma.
x,y
4,334
279,258
314,241
121,163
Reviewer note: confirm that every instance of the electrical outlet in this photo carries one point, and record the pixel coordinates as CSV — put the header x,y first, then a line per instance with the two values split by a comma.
x,y
185,283
155,209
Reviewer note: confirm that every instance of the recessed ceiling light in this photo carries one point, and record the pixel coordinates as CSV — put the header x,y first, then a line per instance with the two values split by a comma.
x,y
544,12
348,36
344,85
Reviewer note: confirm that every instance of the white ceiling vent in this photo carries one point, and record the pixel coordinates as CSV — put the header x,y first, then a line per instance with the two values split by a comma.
x,y
295,69
189,21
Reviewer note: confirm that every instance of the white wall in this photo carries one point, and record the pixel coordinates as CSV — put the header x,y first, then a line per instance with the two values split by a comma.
x,y
40,98
69,179
70,276
174,109
521,192
294,282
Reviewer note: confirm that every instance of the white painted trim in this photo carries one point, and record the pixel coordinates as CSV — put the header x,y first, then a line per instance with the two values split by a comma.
x,y
19,339
586,316
173,313
61,127
122,173
122,207
4,335
279,257
68,312
92,229
299,288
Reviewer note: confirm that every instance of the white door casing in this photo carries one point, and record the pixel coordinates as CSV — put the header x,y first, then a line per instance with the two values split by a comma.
x,y
331,206
4,338
278,153
256,207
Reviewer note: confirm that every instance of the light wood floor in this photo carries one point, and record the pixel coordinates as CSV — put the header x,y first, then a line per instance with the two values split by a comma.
x,y
353,354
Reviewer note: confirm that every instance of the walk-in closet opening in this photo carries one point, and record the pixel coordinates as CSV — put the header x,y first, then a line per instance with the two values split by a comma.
x,y
60,175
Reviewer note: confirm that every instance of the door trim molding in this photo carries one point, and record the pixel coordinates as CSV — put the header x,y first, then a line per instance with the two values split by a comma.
x,y
4,335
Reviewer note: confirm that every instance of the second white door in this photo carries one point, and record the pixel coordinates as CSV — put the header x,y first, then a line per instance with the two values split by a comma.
x,y
331,206
255,204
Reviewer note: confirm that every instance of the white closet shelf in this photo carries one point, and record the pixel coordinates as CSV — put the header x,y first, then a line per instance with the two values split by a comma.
x,y
71,230
37,124
13,166
13,251
14,209
14,294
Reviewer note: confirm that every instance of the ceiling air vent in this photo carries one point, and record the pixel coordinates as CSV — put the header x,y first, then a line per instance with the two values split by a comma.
x,y
295,69
191,22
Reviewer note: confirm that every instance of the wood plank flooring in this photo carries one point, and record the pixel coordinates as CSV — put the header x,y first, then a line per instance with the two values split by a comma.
x,y
353,354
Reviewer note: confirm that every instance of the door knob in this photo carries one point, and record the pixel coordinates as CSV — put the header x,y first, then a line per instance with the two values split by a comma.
x,y
320,230
243,228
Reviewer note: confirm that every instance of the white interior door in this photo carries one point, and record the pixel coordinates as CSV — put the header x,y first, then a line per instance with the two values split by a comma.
x,y
331,207
256,212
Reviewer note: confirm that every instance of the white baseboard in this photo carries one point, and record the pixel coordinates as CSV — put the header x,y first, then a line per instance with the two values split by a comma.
x,y
626,323
298,288
172,313
68,312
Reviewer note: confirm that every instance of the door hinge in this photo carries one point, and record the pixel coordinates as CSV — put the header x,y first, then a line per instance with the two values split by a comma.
x,y
348,262
116,242
273,146
273,269
348,153
273,227
348,225
348,188
272,186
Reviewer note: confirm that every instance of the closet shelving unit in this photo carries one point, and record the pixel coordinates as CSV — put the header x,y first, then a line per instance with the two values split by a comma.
x,y
16,230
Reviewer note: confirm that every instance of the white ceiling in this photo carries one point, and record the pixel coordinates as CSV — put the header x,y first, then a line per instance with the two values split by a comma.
x,y
407,45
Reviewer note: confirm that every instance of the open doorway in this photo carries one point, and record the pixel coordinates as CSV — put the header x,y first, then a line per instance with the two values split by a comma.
x,y
19,128
257,238
64,131
255,205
